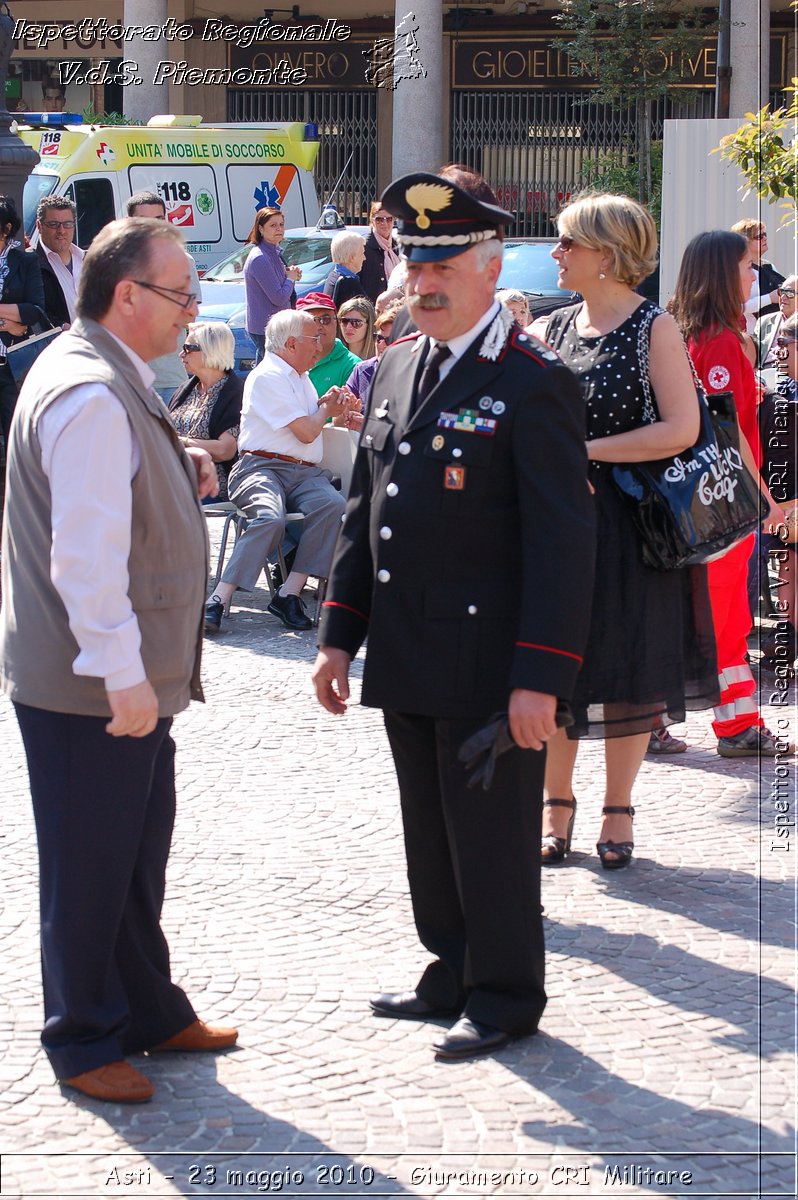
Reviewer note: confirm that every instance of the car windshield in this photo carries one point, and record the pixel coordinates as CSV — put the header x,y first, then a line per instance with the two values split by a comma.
x,y
307,252
36,188
230,268
529,267
312,254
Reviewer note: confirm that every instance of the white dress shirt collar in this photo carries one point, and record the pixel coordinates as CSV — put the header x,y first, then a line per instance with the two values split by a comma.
x,y
458,345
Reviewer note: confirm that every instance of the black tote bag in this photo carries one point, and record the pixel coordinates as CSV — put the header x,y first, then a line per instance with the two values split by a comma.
x,y
694,506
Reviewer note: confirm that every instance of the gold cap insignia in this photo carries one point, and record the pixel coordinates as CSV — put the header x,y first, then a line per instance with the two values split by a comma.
x,y
432,196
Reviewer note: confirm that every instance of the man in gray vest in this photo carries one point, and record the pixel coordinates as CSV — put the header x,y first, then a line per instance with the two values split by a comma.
x,y
104,570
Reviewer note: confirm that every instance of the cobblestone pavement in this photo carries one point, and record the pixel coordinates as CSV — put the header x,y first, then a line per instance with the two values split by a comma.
x,y
665,1061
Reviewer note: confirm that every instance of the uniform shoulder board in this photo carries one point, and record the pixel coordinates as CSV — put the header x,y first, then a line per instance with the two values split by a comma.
x,y
534,348
413,336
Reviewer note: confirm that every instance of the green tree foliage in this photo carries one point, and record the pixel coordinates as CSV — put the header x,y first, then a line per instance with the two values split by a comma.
x,y
613,171
765,148
636,50
112,118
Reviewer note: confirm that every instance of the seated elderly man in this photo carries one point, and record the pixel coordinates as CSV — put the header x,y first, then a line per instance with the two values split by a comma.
x,y
280,446
768,328
347,251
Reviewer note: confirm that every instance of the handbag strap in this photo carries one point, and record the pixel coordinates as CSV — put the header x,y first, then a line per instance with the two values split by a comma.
x,y
650,414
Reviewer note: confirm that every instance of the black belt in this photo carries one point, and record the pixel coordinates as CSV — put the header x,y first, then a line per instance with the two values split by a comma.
x,y
300,462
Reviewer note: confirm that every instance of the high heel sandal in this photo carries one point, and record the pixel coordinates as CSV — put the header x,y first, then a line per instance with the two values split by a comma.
x,y
554,849
622,850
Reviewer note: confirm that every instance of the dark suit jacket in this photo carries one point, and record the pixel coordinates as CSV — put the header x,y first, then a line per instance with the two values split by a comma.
x,y
54,303
23,286
467,557
769,280
372,273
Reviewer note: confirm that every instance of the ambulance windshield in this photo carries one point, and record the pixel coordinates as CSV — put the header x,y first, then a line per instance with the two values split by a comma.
x,y
36,188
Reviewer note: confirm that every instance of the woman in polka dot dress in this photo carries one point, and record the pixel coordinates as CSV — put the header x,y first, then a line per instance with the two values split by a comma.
x,y
650,654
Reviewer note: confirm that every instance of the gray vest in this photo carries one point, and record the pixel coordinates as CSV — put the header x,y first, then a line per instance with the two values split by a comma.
x,y
168,563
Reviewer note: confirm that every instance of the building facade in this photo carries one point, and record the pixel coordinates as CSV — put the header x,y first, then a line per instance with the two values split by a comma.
x,y
489,86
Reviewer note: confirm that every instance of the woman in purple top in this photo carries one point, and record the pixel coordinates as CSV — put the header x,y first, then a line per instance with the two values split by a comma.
x,y
268,283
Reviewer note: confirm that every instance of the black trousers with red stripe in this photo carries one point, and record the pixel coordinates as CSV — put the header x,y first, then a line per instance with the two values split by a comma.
x,y
473,863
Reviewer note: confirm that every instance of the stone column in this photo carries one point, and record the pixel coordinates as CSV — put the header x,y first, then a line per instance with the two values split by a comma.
x,y
17,159
418,134
146,99
750,56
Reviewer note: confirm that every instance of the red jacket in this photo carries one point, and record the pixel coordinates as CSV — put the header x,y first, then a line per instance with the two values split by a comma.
x,y
723,367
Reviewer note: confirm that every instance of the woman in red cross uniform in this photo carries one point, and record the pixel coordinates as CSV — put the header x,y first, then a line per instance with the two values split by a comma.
x,y
715,280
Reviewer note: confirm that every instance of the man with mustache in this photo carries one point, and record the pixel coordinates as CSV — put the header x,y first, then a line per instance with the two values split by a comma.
x,y
470,480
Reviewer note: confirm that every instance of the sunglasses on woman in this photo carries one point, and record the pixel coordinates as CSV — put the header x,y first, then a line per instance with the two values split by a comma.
x,y
565,243
190,348
355,322
382,337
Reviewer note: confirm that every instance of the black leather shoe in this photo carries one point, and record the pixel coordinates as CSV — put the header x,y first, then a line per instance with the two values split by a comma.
x,y
290,610
214,611
468,1039
407,1005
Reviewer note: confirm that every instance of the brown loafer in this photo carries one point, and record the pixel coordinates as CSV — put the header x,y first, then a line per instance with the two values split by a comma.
x,y
116,1081
199,1036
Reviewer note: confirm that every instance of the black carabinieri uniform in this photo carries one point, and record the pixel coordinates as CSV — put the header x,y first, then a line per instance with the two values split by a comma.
x,y
467,558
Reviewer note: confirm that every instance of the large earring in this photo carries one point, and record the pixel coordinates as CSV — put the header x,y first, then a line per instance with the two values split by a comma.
x,y
602,275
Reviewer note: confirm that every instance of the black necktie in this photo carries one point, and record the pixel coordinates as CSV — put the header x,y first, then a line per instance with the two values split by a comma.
x,y
429,376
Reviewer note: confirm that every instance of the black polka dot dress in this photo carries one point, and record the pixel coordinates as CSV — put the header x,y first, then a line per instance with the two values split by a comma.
x,y
651,651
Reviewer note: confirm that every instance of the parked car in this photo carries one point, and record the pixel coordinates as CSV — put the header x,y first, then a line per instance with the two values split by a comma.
x,y
235,317
308,248
527,266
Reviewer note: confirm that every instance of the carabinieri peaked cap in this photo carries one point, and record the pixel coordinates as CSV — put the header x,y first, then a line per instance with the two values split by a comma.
x,y
436,219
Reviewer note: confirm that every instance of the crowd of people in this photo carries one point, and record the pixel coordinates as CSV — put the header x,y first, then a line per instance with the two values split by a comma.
x,y
485,429
354,315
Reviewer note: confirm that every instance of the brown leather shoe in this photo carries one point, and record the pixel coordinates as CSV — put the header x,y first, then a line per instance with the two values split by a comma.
x,y
116,1081
199,1036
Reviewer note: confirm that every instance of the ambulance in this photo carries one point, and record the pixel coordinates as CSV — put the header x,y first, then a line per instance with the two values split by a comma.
x,y
212,179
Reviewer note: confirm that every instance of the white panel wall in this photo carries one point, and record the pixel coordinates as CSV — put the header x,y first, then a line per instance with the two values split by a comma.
x,y
702,191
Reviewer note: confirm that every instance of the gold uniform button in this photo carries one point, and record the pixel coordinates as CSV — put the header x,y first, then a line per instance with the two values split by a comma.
x,y
438,442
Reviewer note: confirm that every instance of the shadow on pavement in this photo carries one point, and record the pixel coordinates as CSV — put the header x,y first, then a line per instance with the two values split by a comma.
x,y
207,1140
683,980
606,1111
